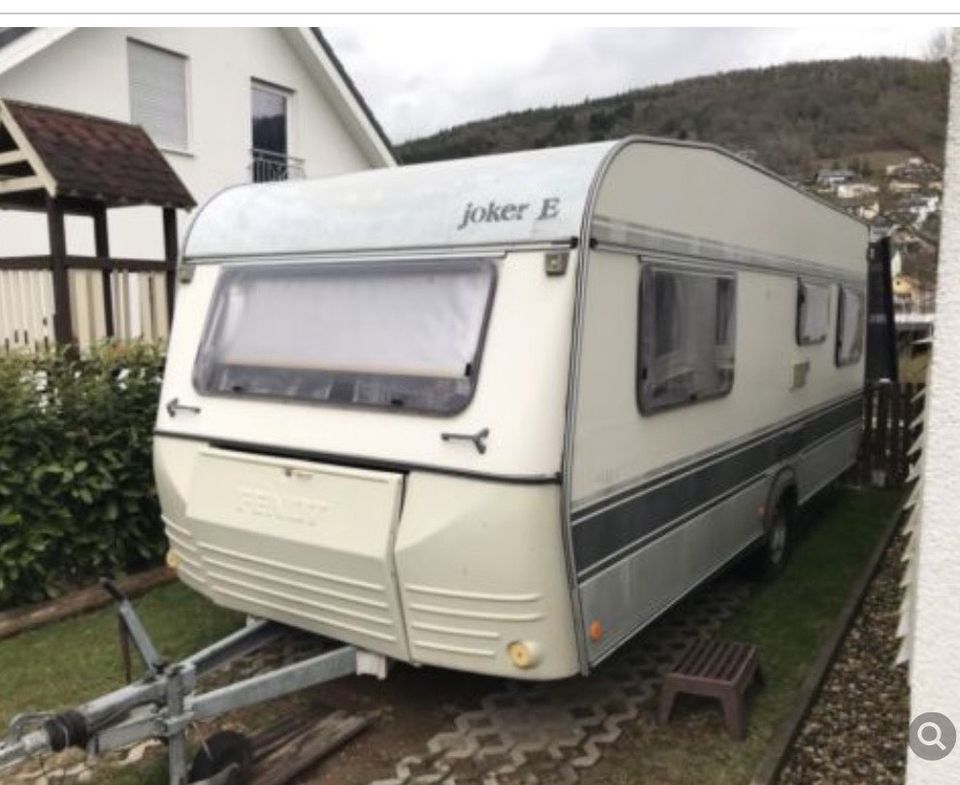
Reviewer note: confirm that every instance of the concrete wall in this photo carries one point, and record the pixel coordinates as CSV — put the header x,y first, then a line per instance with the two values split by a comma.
x,y
935,658
87,71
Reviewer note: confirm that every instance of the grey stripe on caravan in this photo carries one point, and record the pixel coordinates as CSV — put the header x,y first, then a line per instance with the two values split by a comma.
x,y
626,525
637,238
614,559
691,463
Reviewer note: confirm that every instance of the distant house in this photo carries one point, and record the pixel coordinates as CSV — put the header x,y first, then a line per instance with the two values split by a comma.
x,y
910,295
830,178
223,105
903,186
914,168
922,207
855,190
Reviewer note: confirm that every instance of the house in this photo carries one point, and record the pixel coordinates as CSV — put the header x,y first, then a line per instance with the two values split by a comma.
x,y
830,178
910,295
902,187
223,105
855,190
870,211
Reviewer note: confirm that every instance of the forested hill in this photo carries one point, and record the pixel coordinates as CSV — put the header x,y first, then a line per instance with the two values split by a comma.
x,y
791,118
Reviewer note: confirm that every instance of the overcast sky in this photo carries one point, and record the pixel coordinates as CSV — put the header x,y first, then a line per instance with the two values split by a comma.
x,y
422,77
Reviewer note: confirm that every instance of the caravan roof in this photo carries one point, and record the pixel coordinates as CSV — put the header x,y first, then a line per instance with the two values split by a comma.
x,y
403,207
492,201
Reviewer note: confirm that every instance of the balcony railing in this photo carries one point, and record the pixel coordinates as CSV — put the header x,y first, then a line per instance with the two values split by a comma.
x,y
268,167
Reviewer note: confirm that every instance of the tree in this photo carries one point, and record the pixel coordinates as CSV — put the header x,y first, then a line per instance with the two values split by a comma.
x,y
938,48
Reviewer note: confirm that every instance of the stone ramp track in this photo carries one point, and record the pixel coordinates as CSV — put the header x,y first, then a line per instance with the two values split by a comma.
x,y
544,733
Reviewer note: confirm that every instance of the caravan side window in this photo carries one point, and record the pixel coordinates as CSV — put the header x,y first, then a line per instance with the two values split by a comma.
x,y
849,326
813,312
687,337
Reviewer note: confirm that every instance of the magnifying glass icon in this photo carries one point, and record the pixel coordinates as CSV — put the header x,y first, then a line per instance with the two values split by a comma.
x,y
931,740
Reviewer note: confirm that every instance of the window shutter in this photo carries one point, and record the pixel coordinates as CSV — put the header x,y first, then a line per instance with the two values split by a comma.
x,y
158,94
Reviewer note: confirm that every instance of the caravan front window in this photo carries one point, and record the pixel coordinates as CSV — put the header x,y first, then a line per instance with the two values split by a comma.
x,y
687,337
401,335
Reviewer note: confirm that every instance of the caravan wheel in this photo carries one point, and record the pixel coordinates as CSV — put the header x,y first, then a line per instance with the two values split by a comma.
x,y
769,560
777,539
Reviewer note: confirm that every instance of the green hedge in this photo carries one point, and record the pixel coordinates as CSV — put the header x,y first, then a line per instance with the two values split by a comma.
x,y
77,497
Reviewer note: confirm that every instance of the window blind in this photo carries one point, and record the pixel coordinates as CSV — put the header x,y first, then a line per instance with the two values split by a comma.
x,y
158,93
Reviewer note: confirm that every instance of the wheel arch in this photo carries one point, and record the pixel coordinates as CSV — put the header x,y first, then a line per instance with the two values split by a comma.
x,y
783,489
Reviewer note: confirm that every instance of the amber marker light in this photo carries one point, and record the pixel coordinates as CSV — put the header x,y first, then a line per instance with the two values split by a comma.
x,y
523,654
595,631
173,559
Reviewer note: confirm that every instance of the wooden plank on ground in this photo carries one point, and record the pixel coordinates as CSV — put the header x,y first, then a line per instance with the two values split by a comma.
x,y
21,620
306,748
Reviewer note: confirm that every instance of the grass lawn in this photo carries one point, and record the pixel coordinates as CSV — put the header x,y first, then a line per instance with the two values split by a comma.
x,y
66,663
789,619
61,665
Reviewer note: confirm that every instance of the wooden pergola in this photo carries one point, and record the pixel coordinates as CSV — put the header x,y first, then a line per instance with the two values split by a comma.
x,y
64,163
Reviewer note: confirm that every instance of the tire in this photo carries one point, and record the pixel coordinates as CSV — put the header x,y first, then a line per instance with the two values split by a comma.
x,y
770,558
221,750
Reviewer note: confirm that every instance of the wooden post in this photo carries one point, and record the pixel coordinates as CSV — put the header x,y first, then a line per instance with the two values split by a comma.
x,y
170,252
101,242
62,319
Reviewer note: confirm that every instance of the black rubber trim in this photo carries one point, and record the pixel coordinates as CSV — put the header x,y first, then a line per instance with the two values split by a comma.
x,y
360,463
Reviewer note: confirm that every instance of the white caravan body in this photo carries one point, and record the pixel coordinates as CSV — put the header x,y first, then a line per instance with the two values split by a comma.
x,y
498,414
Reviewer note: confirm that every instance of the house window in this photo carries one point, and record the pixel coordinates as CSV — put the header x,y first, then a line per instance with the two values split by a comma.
x,y
158,94
813,312
687,337
269,112
850,325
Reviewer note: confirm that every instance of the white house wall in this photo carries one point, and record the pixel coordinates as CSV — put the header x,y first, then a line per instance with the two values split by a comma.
x,y
934,664
87,71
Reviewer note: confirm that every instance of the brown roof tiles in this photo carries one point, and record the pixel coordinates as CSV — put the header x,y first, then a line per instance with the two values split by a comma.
x,y
96,158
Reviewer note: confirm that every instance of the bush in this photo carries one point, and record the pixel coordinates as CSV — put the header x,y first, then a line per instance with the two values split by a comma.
x,y
77,498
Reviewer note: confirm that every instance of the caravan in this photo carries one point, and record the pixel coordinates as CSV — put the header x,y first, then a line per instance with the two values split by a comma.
x,y
498,414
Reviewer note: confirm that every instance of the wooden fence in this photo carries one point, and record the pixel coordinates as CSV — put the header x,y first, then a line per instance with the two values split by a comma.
x,y
892,421
27,314
62,298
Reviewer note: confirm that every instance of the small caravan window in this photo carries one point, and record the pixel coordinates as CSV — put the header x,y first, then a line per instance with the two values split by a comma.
x,y
849,326
687,337
404,335
813,312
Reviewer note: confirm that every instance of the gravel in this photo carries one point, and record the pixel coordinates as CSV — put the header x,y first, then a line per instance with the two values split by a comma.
x,y
856,732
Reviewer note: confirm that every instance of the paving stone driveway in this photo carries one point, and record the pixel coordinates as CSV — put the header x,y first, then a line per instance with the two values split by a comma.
x,y
544,733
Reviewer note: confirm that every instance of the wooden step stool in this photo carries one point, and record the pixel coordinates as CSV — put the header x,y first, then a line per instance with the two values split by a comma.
x,y
715,669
